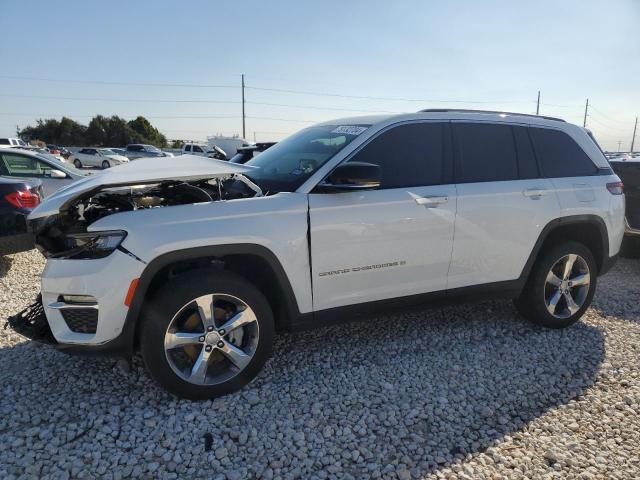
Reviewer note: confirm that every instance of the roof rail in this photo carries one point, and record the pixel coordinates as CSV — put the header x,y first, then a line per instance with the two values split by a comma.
x,y
462,110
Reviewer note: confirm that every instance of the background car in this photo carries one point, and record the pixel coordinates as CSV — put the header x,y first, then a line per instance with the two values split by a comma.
x,y
247,153
58,151
17,199
141,150
118,151
97,157
11,142
52,173
203,150
628,169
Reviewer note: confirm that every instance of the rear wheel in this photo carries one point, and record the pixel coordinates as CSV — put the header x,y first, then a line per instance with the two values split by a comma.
x,y
206,334
105,164
560,287
77,163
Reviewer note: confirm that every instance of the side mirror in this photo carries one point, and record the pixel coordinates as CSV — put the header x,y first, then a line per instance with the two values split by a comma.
x,y
352,176
57,174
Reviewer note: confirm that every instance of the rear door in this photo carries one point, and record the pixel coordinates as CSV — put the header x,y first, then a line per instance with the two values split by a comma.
x,y
574,176
503,203
394,241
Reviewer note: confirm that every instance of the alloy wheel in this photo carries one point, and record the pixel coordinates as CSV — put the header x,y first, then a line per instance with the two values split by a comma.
x,y
566,286
211,339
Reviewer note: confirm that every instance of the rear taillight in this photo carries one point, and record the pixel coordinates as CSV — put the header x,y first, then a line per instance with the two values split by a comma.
x,y
23,199
615,188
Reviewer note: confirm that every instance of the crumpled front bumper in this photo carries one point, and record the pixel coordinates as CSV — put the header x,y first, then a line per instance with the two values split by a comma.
x,y
32,323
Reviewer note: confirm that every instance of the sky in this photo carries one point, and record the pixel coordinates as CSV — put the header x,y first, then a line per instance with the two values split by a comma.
x,y
179,63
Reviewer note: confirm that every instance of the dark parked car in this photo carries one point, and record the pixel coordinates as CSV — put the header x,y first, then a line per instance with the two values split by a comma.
x,y
17,199
629,173
247,153
139,150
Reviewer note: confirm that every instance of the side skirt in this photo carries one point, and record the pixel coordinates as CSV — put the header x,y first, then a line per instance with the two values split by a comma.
x,y
360,312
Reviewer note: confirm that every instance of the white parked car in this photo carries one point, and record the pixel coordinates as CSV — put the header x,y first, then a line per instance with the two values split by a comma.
x,y
30,164
199,262
97,157
203,150
11,142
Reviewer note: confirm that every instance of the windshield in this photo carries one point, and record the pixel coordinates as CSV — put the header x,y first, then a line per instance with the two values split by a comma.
x,y
286,165
106,151
56,163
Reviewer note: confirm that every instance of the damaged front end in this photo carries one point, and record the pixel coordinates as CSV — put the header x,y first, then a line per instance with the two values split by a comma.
x,y
65,234
32,323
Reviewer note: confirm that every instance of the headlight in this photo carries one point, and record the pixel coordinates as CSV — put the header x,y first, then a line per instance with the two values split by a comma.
x,y
90,245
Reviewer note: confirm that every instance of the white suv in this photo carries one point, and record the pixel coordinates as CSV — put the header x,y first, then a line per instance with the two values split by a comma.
x,y
197,262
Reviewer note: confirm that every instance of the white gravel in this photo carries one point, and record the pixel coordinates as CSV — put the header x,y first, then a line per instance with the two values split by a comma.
x,y
465,392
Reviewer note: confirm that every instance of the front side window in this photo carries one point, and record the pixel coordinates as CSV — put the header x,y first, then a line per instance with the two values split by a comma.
x,y
408,155
187,148
559,155
22,166
485,152
286,165
197,149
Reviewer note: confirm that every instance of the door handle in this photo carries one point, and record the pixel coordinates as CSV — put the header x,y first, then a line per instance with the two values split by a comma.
x,y
534,193
431,201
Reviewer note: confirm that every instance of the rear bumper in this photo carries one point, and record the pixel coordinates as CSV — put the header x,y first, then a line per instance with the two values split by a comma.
x,y
629,230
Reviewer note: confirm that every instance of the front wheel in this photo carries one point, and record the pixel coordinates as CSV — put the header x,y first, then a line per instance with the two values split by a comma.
x,y
105,164
560,287
206,334
77,163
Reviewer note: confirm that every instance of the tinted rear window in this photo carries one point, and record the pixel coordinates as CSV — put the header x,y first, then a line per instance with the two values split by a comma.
x,y
527,165
485,152
559,155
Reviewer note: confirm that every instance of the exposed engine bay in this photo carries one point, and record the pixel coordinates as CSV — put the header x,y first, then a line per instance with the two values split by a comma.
x,y
53,233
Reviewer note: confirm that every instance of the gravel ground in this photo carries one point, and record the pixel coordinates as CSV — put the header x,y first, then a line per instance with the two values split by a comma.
x,y
468,392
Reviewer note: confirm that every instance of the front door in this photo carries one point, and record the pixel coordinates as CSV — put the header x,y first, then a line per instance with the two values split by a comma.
x,y
394,241
14,165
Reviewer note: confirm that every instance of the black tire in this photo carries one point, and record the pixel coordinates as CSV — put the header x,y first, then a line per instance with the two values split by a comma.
x,y
105,164
77,163
170,299
532,302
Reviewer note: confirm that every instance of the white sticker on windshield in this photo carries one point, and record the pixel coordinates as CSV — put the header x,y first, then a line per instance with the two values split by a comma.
x,y
349,130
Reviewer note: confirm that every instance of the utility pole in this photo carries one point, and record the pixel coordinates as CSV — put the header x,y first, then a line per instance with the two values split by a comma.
x,y
633,139
243,116
619,143
254,137
538,104
586,108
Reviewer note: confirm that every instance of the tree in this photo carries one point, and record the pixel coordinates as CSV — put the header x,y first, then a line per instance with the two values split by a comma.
x,y
177,144
142,126
101,132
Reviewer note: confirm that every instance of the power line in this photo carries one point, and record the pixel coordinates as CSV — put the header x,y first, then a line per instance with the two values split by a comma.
x,y
129,100
366,97
129,84
310,107
626,122
607,127
127,115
